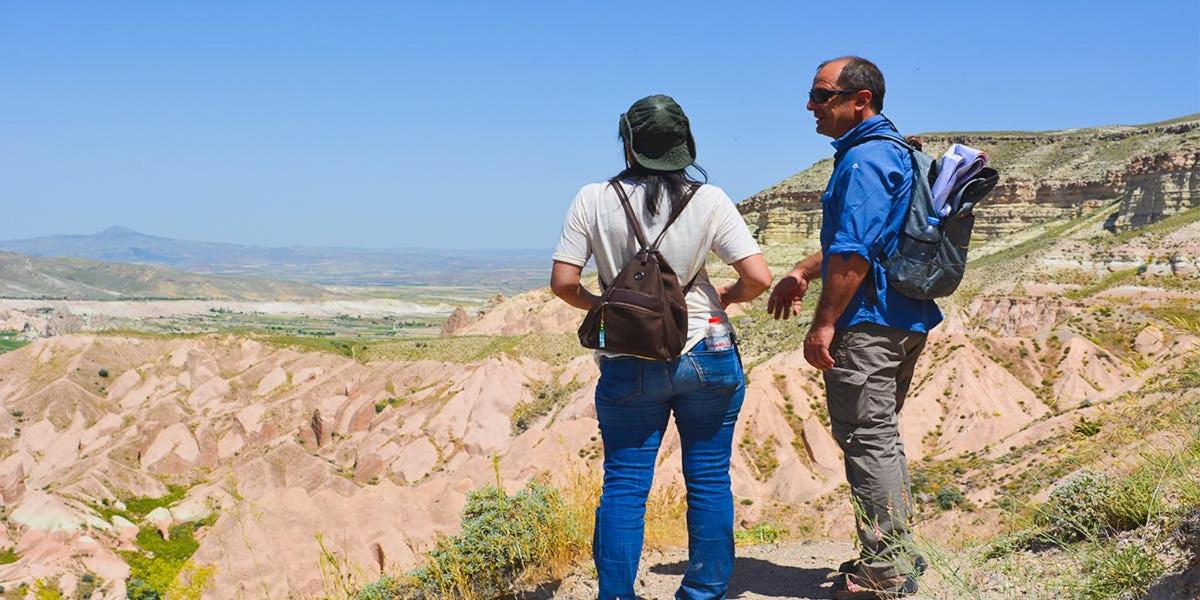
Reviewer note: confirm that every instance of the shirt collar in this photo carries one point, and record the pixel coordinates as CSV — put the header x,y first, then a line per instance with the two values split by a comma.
x,y
873,125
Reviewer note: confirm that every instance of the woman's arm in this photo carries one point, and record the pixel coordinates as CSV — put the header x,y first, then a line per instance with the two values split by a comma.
x,y
754,277
564,282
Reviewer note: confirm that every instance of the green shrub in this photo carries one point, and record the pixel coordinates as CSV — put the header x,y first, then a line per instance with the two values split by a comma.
x,y
501,537
950,497
1134,500
138,589
157,562
1075,509
9,556
1121,572
1086,428
43,590
547,397
762,533
761,456
88,582
385,588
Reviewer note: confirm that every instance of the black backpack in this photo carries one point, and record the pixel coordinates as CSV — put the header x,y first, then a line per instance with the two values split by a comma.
x,y
642,312
931,253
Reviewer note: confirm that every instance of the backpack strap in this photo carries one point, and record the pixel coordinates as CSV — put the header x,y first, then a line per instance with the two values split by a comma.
x,y
629,216
632,218
637,228
872,294
687,197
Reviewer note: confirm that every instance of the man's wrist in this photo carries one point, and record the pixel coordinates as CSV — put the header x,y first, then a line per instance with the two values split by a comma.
x,y
822,322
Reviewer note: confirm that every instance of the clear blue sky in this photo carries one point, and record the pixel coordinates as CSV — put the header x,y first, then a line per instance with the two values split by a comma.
x,y
472,125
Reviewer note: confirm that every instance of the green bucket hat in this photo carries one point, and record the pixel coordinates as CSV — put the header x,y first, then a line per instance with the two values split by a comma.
x,y
659,134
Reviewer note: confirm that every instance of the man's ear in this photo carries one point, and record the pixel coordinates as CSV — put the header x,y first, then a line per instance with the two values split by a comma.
x,y
862,100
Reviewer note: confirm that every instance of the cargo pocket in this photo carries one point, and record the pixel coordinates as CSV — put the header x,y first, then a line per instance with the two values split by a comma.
x,y
620,379
718,370
845,389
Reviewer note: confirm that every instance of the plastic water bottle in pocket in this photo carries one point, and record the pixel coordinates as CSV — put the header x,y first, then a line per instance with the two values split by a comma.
x,y
719,335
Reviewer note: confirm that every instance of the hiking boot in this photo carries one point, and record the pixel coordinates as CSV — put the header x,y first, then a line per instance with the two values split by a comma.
x,y
850,586
851,565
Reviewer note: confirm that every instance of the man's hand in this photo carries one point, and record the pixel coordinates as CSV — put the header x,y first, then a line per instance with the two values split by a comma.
x,y
785,299
816,346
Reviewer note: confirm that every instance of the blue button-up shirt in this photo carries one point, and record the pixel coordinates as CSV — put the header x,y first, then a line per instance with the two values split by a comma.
x,y
863,208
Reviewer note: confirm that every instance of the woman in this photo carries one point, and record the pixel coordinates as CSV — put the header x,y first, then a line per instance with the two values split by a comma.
x,y
703,387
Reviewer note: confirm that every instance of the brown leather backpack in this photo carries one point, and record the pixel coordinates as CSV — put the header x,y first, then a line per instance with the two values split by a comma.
x,y
642,312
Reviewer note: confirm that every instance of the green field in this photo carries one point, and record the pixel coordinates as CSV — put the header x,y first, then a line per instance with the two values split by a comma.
x,y
10,340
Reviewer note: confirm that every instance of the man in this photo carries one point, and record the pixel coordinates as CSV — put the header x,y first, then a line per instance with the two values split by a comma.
x,y
864,336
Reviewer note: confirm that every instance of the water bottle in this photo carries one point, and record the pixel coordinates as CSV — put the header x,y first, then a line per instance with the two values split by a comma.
x,y
719,335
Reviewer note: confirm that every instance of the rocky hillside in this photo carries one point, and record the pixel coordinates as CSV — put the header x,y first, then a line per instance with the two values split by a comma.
x,y
24,276
246,469
247,466
1149,171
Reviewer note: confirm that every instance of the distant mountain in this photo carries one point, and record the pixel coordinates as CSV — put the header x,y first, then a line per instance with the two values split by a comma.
x,y
79,279
311,264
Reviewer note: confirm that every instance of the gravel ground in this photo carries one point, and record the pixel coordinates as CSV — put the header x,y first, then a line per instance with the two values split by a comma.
x,y
795,570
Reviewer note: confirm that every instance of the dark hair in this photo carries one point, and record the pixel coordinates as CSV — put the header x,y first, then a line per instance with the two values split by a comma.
x,y
672,183
860,74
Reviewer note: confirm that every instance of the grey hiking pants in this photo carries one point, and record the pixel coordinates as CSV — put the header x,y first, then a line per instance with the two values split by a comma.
x,y
865,393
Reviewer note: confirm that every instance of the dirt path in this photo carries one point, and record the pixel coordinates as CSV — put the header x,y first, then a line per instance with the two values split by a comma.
x,y
792,570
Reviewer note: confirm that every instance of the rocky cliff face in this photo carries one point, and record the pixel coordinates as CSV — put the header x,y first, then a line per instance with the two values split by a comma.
x,y
1152,170
1158,186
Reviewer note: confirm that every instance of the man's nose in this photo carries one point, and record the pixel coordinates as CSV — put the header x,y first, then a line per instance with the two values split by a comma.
x,y
811,106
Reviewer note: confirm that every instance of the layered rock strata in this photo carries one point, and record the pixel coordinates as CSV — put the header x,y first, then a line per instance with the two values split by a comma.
x,y
1153,171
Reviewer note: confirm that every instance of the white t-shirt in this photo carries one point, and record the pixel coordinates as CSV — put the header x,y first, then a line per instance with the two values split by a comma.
x,y
596,225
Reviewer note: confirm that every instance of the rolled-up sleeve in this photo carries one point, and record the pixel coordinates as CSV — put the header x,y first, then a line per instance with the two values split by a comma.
x,y
865,188
574,246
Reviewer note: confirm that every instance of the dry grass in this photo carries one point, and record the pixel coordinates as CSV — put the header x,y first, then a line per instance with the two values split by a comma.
x,y
518,541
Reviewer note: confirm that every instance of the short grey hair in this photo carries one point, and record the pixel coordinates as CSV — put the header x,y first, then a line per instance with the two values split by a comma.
x,y
860,74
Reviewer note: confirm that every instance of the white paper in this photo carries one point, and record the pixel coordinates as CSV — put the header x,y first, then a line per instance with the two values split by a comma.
x,y
958,165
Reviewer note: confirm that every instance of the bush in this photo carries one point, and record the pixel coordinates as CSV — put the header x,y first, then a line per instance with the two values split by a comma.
x,y
1134,501
1121,572
762,533
547,397
1084,427
1075,509
138,589
385,588
950,497
502,536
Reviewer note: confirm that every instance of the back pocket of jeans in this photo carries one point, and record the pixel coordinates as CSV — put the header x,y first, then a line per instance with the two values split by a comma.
x,y
620,379
717,369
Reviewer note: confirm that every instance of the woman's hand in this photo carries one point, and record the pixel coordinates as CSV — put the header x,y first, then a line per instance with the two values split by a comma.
x,y
754,277
723,296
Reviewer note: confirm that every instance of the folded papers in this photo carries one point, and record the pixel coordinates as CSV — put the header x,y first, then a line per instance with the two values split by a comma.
x,y
957,166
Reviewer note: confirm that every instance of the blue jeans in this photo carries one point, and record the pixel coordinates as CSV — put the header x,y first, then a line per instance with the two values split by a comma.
x,y
634,398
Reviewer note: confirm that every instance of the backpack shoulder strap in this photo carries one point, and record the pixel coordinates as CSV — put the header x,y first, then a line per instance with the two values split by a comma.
x,y
629,216
687,197
884,136
872,294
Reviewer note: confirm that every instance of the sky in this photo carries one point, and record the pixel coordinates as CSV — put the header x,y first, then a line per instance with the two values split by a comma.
x,y
473,124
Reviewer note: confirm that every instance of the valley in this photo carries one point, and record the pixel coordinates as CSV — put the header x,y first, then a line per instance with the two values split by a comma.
x,y
327,448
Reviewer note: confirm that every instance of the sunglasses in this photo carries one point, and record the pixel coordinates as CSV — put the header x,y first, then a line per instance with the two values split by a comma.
x,y
822,95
